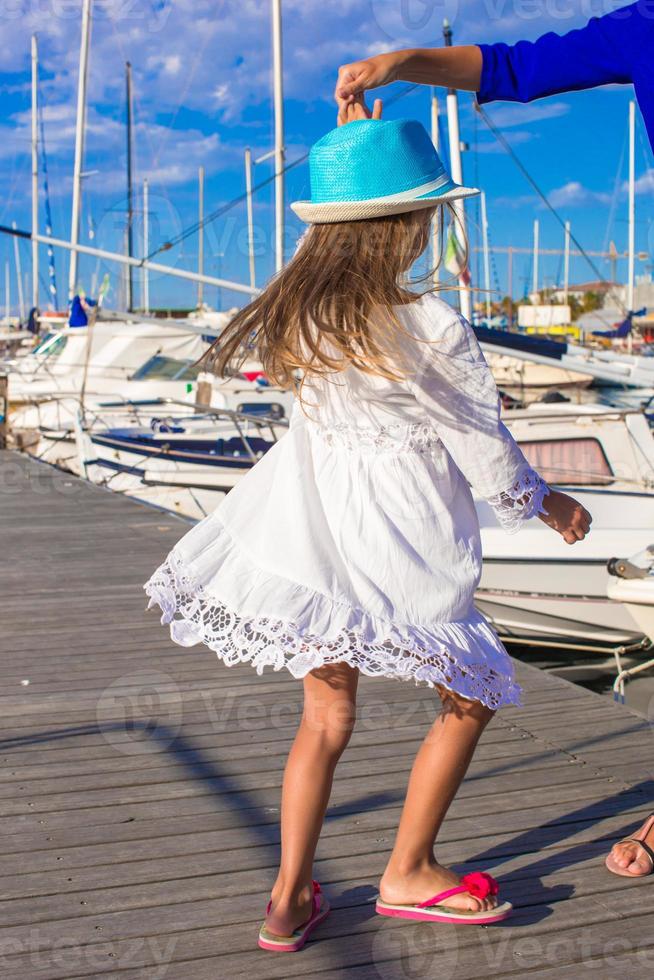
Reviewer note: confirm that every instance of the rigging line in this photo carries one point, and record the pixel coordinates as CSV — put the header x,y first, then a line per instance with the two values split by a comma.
x,y
501,139
645,147
189,77
193,229
219,212
616,192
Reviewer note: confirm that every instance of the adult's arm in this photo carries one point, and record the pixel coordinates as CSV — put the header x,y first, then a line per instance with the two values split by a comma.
x,y
605,50
458,67
612,48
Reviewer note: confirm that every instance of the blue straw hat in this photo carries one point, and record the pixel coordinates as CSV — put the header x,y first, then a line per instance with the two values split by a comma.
x,y
374,167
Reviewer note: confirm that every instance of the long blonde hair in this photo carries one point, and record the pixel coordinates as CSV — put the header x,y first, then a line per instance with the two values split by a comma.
x,y
332,306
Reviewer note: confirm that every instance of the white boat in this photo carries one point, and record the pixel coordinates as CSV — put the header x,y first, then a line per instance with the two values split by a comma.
x,y
129,361
606,366
180,460
528,381
632,583
537,589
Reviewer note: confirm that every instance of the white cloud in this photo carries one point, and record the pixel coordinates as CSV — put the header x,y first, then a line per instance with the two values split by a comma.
x,y
574,195
505,116
643,184
514,139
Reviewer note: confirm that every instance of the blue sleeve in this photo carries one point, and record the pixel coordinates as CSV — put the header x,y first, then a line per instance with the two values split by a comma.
x,y
607,49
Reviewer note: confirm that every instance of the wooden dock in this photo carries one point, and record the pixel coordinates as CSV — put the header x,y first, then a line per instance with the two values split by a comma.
x,y
140,788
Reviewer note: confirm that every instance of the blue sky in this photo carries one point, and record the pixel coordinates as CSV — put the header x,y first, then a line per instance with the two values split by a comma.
x,y
202,86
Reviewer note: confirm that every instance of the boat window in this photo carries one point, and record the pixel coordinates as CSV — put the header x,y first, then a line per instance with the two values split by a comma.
x,y
579,461
166,368
51,345
272,409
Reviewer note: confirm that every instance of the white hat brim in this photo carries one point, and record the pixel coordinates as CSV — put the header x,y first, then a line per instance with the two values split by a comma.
x,y
334,211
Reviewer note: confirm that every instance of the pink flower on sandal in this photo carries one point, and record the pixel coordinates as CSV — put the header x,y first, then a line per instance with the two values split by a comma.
x,y
479,884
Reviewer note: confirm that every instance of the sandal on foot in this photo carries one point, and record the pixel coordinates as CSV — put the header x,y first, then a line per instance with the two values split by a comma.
x,y
615,868
478,884
291,944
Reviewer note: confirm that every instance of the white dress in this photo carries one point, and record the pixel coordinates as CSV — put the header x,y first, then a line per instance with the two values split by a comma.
x,y
355,538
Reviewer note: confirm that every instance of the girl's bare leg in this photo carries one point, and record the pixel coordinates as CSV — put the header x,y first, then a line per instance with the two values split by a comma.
x,y
325,729
413,874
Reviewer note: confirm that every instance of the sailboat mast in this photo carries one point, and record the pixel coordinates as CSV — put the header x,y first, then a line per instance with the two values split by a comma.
x,y
280,152
536,254
146,246
435,224
249,203
200,234
130,199
566,263
35,173
19,277
484,232
79,144
632,206
456,167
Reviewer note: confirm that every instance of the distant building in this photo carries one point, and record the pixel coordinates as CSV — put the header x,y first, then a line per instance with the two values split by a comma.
x,y
579,290
643,293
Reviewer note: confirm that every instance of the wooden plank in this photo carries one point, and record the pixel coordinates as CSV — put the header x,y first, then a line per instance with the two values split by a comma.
x,y
125,854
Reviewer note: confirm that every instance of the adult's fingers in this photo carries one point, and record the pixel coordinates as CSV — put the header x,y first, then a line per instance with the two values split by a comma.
x,y
350,79
377,109
344,78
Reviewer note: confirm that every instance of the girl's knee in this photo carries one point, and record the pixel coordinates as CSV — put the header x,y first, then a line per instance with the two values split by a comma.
x,y
331,727
330,706
464,708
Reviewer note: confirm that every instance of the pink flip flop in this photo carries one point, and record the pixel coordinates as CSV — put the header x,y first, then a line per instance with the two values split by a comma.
x,y
291,944
623,872
478,884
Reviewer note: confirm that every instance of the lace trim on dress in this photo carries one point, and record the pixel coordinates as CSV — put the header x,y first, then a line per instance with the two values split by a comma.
x,y
195,616
522,500
396,437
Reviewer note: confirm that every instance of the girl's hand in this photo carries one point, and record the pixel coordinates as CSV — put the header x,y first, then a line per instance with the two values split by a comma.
x,y
357,109
355,78
567,516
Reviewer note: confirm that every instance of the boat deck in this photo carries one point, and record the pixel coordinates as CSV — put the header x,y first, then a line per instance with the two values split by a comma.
x,y
140,785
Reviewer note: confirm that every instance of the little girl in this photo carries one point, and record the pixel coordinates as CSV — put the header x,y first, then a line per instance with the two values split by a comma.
x,y
353,546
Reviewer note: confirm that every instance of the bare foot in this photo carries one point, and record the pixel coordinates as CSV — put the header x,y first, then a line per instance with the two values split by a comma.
x,y
286,915
419,885
630,856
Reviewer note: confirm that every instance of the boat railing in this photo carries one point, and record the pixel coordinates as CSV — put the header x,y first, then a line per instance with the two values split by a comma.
x,y
92,421
141,412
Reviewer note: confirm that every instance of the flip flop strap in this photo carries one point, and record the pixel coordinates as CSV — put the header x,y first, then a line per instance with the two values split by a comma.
x,y
478,884
437,899
641,843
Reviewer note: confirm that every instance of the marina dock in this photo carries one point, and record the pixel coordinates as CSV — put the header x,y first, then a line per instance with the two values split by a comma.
x,y
141,781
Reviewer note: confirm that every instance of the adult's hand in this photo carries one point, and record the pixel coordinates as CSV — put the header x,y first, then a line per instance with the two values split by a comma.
x,y
457,67
359,76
